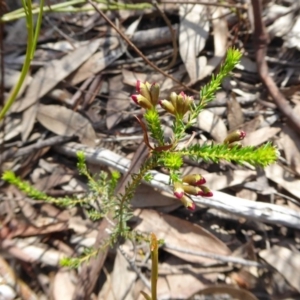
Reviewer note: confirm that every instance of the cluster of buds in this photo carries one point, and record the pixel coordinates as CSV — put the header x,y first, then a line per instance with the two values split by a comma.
x,y
178,105
191,185
234,137
148,94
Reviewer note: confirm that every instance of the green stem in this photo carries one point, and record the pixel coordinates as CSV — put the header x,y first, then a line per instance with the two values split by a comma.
x,y
31,45
154,269
129,192
37,28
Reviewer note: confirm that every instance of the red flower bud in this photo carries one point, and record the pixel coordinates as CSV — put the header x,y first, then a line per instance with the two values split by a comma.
x,y
143,89
173,99
154,92
194,179
205,192
141,101
178,190
235,136
167,105
192,190
188,203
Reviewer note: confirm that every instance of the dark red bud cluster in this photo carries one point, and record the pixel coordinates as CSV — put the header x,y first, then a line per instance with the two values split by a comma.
x,y
192,184
178,105
148,94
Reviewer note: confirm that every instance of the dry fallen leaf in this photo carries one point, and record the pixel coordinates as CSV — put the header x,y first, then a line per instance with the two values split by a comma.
x,y
279,175
145,196
285,261
220,34
110,50
235,114
183,286
293,36
193,32
235,292
290,142
183,234
283,20
121,280
118,101
46,78
260,136
64,121
211,123
219,181
63,285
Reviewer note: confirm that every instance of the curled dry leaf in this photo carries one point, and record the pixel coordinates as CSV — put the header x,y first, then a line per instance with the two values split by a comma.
x,y
64,121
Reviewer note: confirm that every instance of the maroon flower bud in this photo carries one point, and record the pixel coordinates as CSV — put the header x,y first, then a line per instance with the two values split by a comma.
x,y
183,104
188,202
235,136
178,190
143,89
205,192
194,179
141,101
154,92
192,190
173,99
168,106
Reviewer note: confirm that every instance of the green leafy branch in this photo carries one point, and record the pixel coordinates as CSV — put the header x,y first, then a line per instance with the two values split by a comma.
x,y
33,193
87,254
207,93
262,156
154,125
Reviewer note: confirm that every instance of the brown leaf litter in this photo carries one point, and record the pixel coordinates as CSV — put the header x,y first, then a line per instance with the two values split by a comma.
x,y
78,90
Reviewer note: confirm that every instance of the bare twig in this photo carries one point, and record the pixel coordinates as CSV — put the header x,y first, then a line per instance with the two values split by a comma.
x,y
208,3
124,37
260,42
135,269
173,35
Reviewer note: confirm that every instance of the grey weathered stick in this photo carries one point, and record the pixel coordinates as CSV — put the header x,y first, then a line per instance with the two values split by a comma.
x,y
259,211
